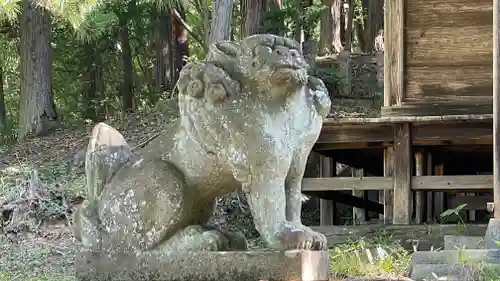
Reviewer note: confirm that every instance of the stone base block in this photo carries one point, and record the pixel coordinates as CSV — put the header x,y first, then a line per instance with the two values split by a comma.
x,y
453,242
492,236
455,257
206,266
431,272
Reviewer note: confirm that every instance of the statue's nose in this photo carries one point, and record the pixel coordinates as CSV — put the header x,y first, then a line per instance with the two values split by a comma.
x,y
294,56
285,52
293,53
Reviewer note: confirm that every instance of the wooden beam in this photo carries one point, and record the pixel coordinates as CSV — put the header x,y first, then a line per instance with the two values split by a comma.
x,y
424,183
420,120
402,174
452,132
451,183
346,183
356,133
433,108
381,135
496,110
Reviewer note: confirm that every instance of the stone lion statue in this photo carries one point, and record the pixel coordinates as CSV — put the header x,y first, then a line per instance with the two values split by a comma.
x,y
249,117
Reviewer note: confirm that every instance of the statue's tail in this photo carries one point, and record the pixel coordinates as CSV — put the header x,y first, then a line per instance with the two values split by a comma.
x,y
107,151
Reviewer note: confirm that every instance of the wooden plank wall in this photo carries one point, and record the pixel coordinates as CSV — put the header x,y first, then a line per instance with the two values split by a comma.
x,y
448,58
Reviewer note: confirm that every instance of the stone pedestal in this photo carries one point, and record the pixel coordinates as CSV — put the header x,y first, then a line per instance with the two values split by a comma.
x,y
492,237
206,266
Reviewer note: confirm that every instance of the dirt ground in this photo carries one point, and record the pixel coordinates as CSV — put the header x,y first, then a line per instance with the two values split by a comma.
x,y
47,254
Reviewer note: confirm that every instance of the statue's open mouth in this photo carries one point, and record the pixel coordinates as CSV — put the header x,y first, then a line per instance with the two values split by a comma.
x,y
289,65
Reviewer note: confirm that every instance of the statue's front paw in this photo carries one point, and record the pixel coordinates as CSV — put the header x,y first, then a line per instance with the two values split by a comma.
x,y
302,238
319,240
322,103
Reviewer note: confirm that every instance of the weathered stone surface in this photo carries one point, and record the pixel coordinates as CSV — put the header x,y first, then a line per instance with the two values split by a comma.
x,y
431,272
453,242
492,236
249,117
204,266
453,257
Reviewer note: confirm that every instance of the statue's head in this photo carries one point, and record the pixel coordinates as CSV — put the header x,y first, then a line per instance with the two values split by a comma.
x,y
270,63
273,62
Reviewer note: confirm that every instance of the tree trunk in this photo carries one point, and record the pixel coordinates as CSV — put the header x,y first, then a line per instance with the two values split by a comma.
x,y
94,83
348,32
252,15
37,109
274,6
3,111
127,89
161,53
222,15
330,41
206,27
374,23
370,26
181,46
343,16
300,26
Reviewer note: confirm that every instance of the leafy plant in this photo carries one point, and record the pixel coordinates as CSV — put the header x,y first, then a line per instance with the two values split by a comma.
x,y
456,212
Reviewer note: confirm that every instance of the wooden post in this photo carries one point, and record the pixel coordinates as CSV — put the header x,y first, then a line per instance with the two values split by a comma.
x,y
326,207
358,214
394,52
438,196
430,215
472,213
496,110
419,198
402,174
388,194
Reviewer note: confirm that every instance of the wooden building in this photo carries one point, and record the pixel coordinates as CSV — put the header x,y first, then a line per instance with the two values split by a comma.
x,y
432,147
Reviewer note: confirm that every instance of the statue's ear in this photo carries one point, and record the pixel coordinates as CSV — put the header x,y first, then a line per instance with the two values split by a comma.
x,y
223,50
227,47
224,54
252,41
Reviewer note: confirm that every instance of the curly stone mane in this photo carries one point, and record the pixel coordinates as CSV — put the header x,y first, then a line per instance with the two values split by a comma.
x,y
230,65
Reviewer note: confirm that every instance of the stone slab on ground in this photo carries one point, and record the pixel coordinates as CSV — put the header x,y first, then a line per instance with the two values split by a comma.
x,y
207,266
429,272
453,257
452,242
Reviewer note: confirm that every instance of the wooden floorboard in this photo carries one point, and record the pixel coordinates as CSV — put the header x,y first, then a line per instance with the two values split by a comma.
x,y
366,134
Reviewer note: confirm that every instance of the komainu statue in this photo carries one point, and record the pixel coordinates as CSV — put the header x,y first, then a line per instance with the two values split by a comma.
x,y
249,116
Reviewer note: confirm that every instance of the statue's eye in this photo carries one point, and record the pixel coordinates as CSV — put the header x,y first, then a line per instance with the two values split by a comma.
x,y
264,51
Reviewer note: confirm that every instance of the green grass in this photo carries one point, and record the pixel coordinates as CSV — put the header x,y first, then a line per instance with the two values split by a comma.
x,y
377,256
